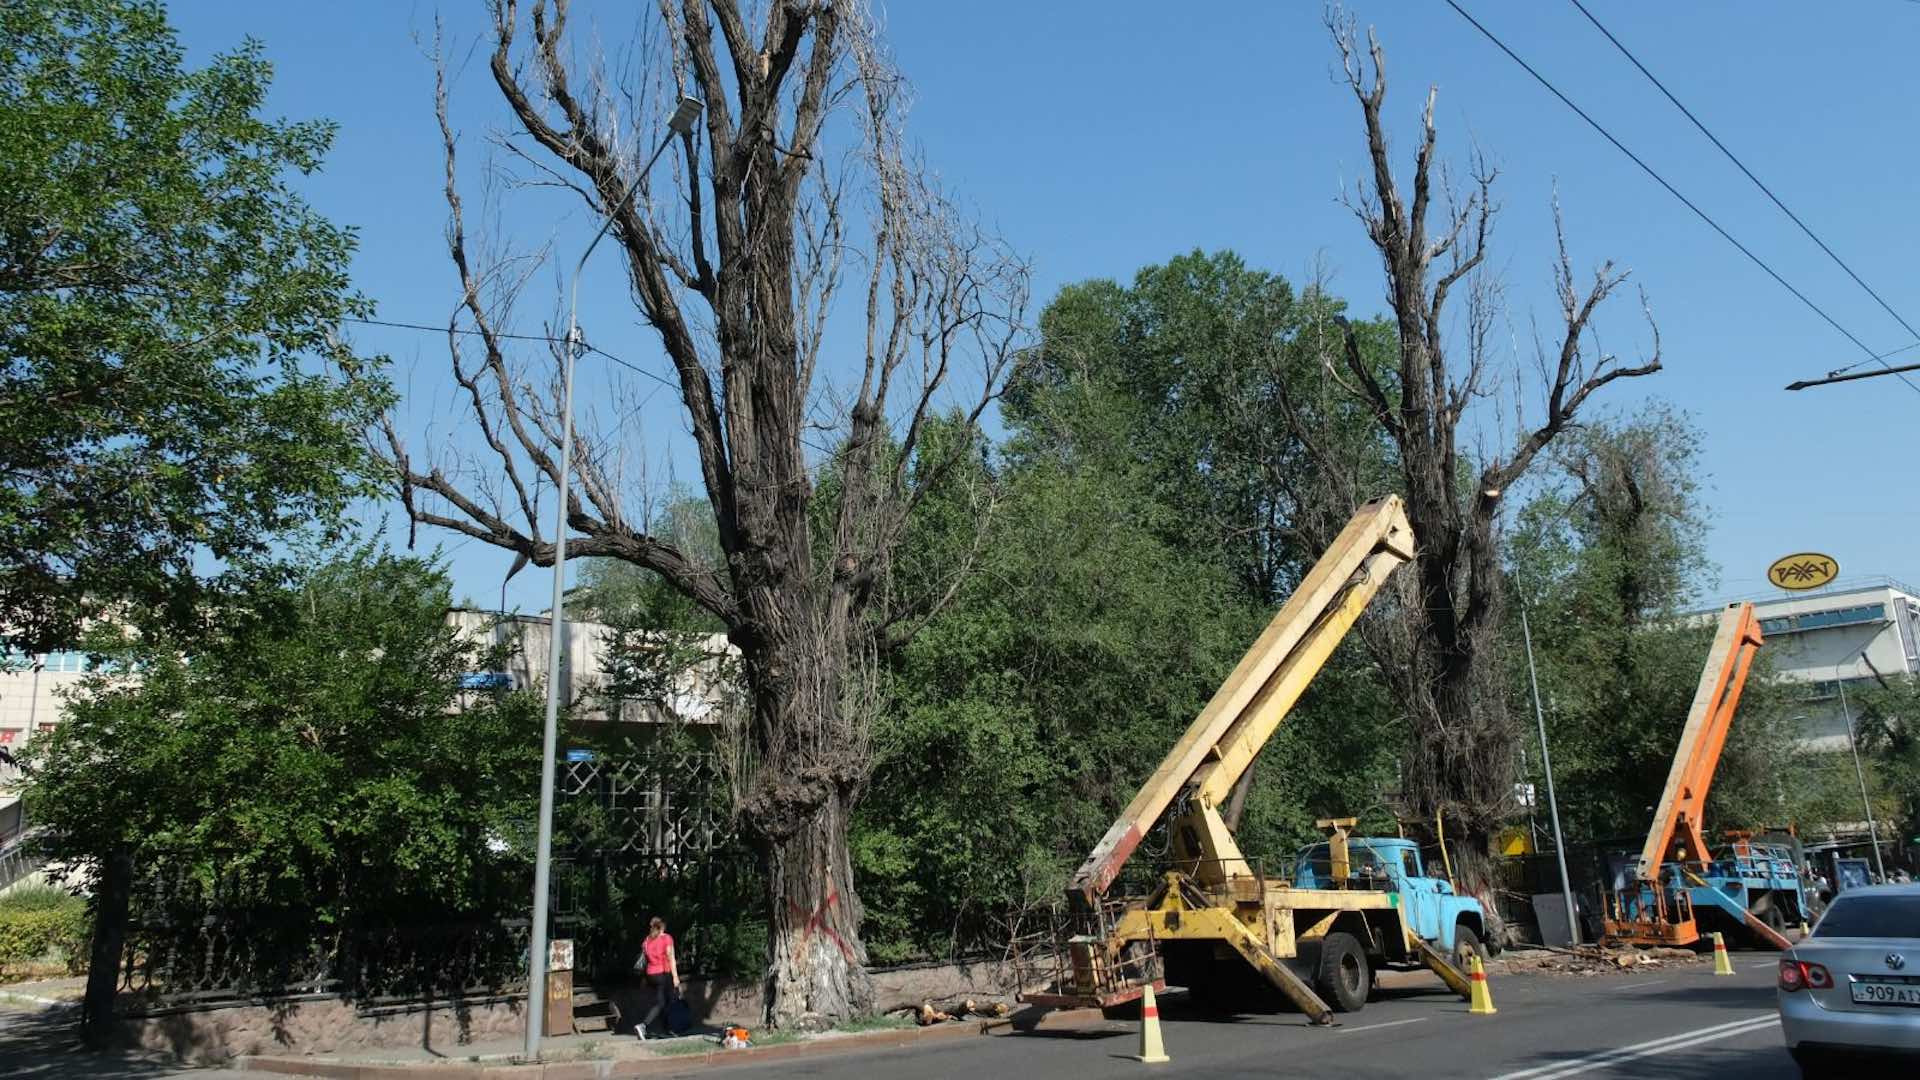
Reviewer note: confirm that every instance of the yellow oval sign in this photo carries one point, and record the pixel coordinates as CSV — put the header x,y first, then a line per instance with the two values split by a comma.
x,y
1807,570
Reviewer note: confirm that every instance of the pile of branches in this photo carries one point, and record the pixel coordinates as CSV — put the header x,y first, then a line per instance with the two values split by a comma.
x,y
1594,959
927,1014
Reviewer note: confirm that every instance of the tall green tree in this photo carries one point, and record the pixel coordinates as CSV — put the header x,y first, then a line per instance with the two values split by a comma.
x,y
1192,370
1887,725
1608,559
171,387
1142,531
1021,717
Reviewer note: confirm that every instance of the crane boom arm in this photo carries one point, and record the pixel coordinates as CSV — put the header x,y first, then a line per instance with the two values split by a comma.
x,y
1223,740
1678,834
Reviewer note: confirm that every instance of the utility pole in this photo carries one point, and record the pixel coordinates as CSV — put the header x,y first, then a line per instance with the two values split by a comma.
x,y
680,124
1859,773
1546,763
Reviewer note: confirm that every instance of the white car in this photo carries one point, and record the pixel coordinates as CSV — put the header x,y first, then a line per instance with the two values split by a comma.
x,y
1852,988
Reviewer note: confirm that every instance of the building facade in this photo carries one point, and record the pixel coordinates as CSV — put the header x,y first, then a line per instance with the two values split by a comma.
x,y
697,685
1837,640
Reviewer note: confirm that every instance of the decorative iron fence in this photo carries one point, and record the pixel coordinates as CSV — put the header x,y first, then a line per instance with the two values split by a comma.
x,y
636,835
234,958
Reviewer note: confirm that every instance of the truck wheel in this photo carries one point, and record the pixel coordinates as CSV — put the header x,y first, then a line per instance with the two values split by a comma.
x,y
1466,943
1344,976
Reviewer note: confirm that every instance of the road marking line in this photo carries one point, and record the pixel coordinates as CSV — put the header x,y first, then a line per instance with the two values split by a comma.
x,y
1636,986
1758,1025
1387,1024
1603,1058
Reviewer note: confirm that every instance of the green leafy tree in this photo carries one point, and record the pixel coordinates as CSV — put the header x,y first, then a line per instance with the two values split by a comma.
x,y
1196,370
317,756
1021,717
1607,560
1141,533
1884,724
170,383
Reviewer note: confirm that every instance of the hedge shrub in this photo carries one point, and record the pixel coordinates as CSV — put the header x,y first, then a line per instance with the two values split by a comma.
x,y
44,925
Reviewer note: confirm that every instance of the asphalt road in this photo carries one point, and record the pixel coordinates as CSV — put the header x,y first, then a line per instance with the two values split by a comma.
x,y
1674,1022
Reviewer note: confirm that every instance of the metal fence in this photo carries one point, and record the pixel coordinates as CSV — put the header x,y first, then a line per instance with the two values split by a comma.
x,y
649,835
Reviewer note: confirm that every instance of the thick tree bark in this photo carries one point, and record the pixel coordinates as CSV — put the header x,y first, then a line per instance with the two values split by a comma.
x,y
812,762
817,964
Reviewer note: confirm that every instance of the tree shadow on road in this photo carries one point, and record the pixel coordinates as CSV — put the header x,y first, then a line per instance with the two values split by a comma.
x,y
47,1044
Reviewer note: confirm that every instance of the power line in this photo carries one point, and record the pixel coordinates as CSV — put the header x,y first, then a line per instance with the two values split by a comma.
x,y
1722,147
1840,376
1671,190
629,365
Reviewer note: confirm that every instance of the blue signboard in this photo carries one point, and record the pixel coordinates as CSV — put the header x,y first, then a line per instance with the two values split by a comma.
x,y
579,755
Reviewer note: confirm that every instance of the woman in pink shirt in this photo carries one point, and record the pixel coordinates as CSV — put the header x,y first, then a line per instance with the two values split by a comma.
x,y
662,972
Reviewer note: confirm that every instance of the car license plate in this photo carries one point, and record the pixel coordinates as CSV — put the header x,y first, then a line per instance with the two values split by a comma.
x,y
1885,993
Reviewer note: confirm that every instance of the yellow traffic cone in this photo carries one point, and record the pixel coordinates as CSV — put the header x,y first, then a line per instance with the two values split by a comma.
x,y
1152,1050
1481,1003
1722,963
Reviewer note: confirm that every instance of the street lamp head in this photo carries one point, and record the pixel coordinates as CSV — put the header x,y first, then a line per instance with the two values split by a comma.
x,y
684,114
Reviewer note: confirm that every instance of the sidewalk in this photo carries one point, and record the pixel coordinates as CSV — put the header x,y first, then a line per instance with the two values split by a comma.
x,y
592,1057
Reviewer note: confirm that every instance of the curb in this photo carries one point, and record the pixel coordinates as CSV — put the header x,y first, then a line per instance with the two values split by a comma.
x,y
614,1067
17,998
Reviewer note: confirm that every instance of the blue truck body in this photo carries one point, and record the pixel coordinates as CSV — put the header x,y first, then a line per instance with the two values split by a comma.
x,y
1749,877
1427,904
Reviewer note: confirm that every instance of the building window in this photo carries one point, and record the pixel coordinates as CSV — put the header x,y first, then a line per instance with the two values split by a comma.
x,y
1817,620
1829,689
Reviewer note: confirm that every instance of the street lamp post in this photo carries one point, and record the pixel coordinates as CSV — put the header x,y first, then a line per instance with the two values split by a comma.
x,y
1859,774
681,122
1553,803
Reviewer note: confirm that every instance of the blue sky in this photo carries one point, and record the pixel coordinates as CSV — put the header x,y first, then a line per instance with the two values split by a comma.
x,y
1100,137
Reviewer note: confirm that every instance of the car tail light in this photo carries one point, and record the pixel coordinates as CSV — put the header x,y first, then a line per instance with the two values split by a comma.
x,y
1800,975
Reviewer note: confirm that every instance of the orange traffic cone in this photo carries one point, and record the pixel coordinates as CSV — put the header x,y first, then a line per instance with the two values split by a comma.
x,y
1722,963
1481,1000
1152,1050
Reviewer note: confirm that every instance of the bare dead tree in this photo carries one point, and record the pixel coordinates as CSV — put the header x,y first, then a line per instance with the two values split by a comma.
x,y
802,156
1439,656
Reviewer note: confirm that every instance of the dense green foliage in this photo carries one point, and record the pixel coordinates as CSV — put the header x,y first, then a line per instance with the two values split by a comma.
x,y
43,924
1885,726
1139,539
316,756
170,384
1607,561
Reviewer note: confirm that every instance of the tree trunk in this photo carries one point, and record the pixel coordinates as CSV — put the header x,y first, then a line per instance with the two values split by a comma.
x,y
109,945
817,969
812,762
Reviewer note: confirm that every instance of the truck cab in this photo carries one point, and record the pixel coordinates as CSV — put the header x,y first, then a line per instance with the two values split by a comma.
x,y
1452,923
